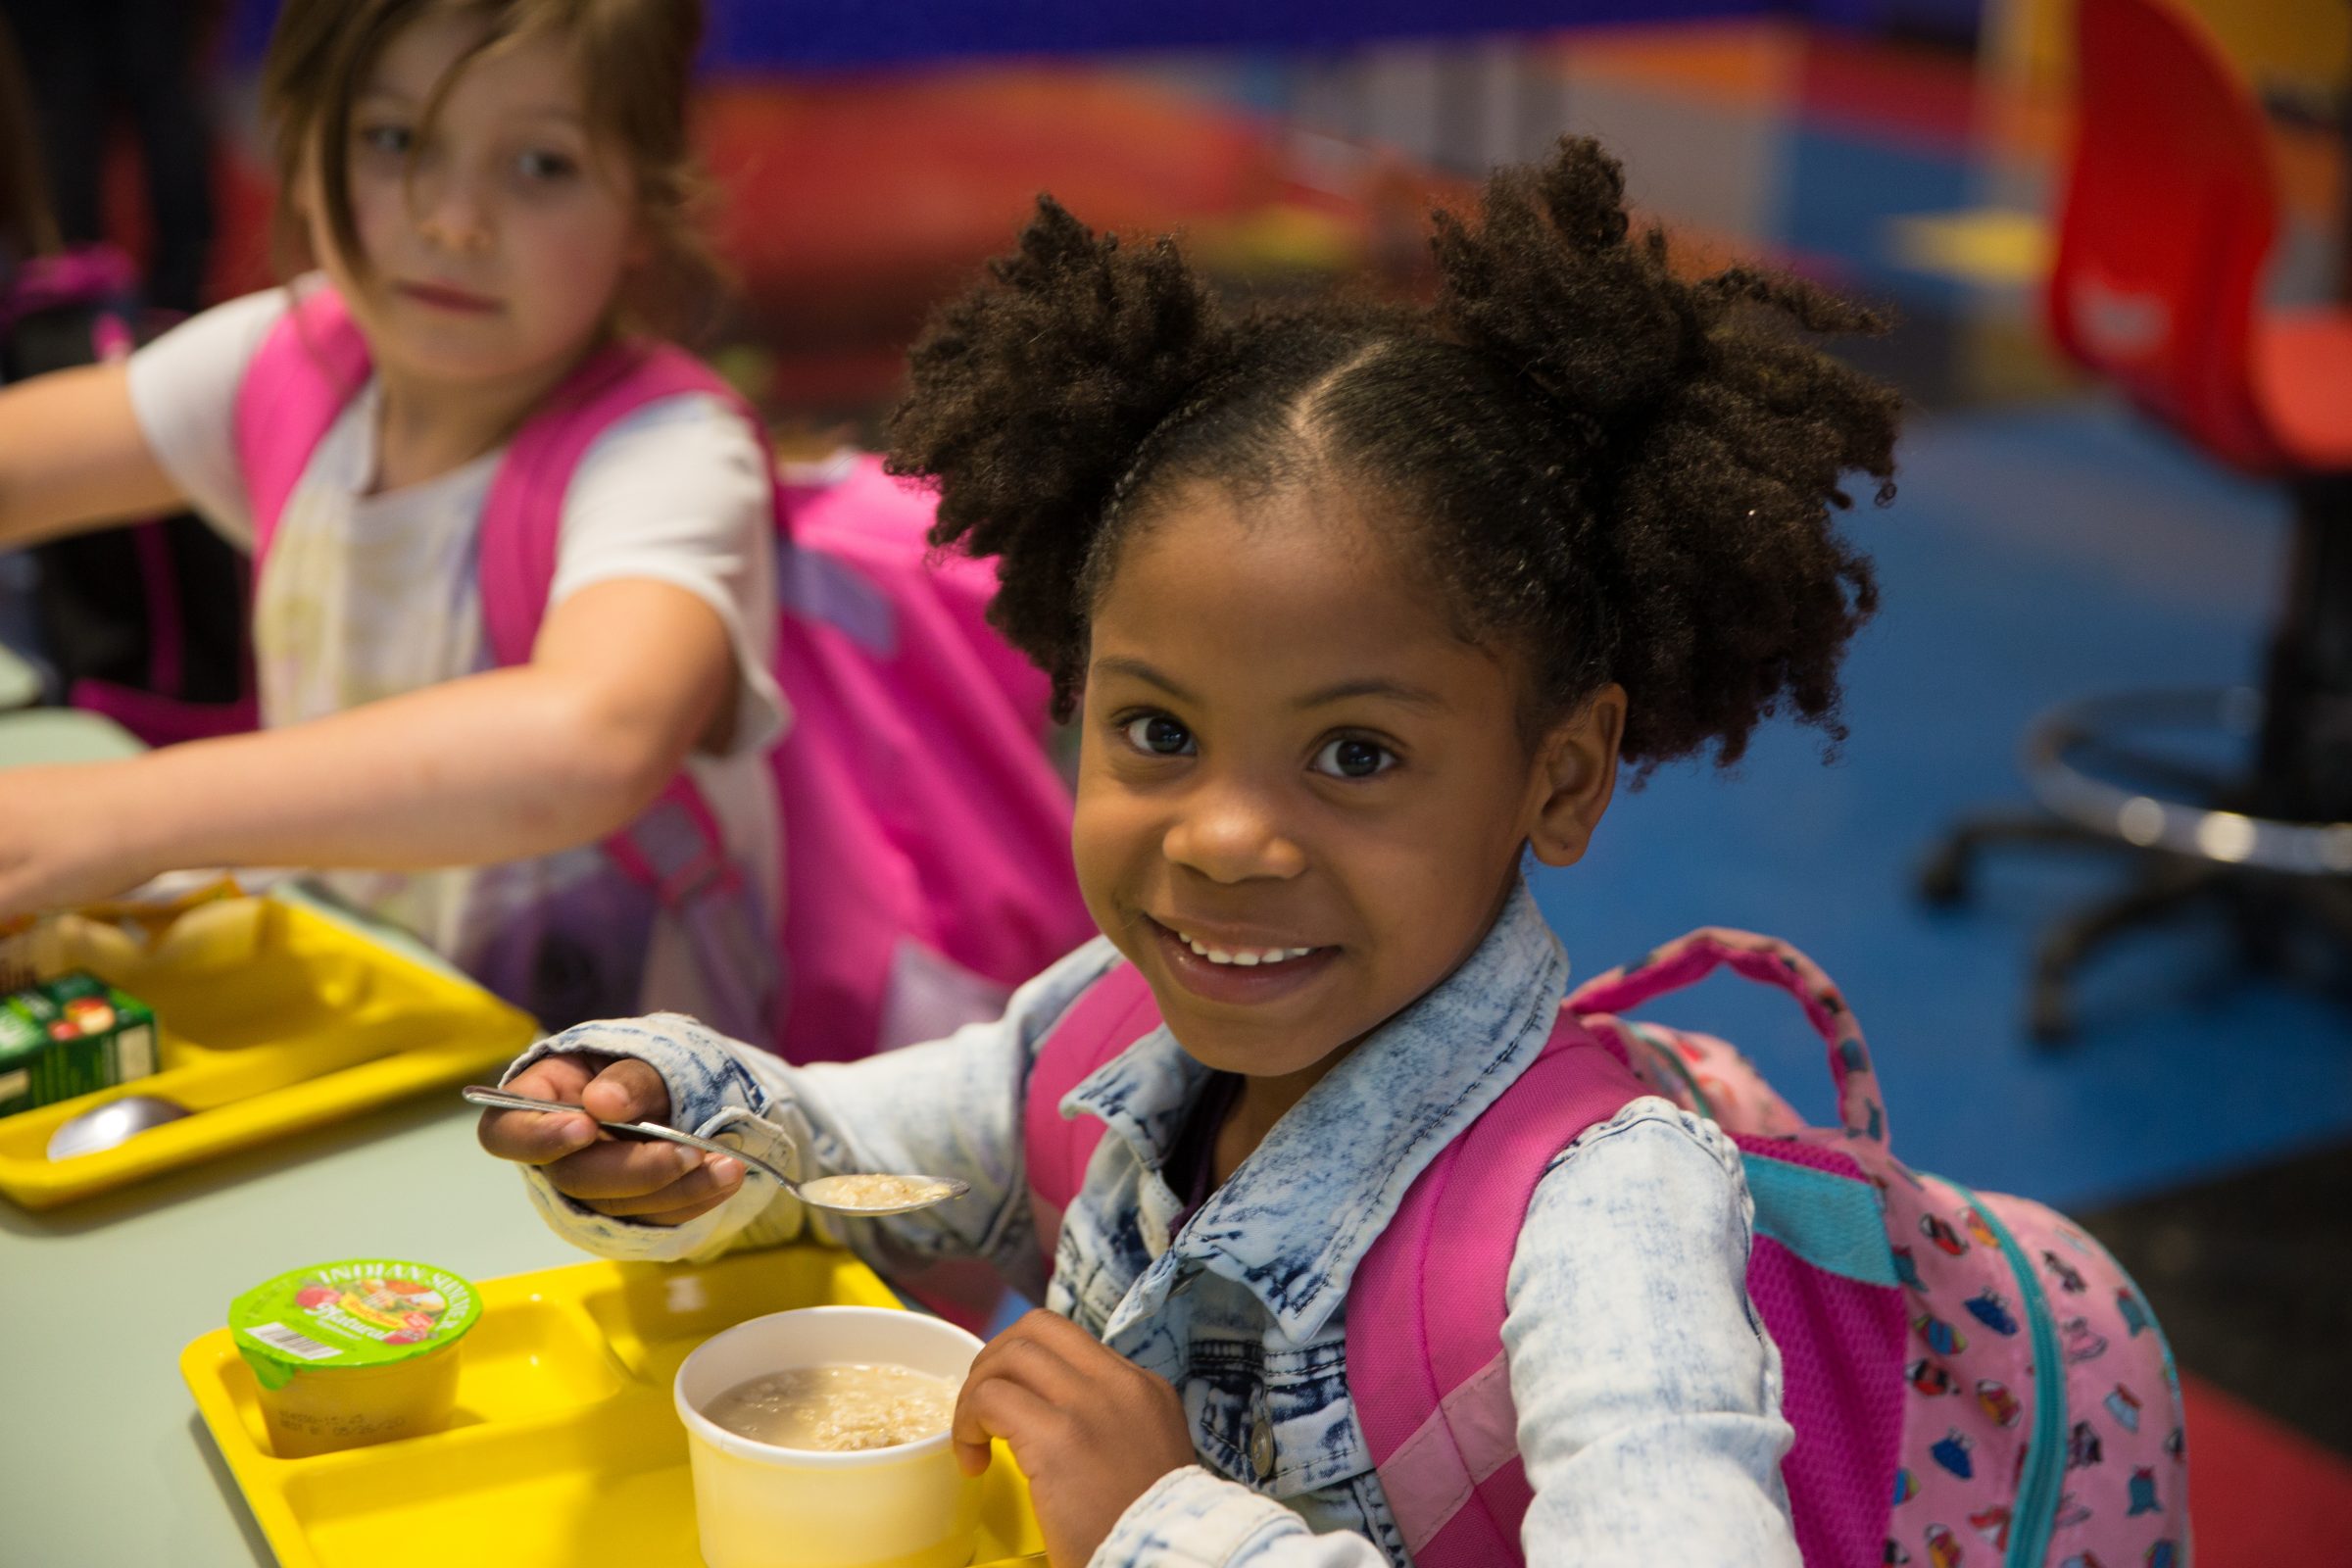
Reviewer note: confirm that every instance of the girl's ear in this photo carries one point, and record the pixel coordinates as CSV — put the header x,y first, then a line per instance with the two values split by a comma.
x,y
1576,774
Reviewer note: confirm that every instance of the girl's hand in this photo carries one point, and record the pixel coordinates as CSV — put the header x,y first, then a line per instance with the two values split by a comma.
x,y
1092,1429
68,837
658,1183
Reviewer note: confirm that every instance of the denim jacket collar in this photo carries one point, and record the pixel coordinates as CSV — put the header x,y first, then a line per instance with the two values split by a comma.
x,y
1296,1218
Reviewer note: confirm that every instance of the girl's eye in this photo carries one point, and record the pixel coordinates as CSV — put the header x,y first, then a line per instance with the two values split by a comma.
x,y
546,166
392,140
1350,757
1158,735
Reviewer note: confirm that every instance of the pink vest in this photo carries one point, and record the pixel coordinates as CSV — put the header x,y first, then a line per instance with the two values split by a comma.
x,y
1972,1379
926,834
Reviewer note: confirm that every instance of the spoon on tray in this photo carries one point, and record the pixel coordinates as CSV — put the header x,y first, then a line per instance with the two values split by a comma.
x,y
868,1195
105,1126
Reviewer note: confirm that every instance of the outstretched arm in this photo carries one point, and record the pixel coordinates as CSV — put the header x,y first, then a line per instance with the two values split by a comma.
x,y
627,677
72,457
948,1107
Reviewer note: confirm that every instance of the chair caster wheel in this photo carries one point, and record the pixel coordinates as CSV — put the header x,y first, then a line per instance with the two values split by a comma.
x,y
1942,881
2049,1019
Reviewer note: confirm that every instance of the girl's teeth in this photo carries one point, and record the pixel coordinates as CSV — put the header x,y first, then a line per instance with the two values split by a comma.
x,y
1245,960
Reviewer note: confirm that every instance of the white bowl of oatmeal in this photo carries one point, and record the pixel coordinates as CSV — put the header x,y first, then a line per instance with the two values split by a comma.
x,y
818,1439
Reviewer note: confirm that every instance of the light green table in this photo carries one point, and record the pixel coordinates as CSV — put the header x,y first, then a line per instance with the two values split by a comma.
x,y
104,1462
33,735
18,685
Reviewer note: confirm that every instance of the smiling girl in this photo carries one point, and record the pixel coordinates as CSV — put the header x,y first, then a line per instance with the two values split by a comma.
x,y
491,192
1358,608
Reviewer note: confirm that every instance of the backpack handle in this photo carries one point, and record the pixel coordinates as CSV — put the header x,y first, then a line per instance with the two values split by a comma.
x,y
1689,959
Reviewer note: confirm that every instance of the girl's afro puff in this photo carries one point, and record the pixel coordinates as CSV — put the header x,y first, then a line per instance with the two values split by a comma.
x,y
1031,399
1626,475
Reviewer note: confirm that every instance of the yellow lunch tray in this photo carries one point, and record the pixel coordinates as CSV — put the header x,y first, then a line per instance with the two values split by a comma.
x,y
565,1449
271,1017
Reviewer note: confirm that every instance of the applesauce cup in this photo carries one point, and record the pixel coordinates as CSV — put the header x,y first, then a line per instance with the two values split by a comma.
x,y
353,1353
757,1505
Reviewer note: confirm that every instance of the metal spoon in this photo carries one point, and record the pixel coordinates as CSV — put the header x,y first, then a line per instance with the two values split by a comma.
x,y
105,1126
842,1194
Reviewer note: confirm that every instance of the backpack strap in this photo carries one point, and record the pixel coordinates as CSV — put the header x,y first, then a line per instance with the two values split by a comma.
x,y
99,276
523,516
1424,1324
314,360
312,364
1686,960
1823,1273
1109,1016
675,848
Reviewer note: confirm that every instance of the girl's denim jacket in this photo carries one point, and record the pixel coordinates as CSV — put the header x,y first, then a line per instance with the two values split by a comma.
x,y
1647,1391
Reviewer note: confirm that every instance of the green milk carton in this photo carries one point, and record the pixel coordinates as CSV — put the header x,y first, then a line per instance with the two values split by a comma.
x,y
68,1036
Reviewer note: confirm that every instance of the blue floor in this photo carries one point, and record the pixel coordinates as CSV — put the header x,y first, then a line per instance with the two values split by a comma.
x,y
2034,554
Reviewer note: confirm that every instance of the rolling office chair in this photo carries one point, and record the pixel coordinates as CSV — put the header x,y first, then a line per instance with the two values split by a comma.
x,y
2168,216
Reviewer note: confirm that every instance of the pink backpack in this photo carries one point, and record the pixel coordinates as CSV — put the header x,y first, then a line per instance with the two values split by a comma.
x,y
1971,1380
927,866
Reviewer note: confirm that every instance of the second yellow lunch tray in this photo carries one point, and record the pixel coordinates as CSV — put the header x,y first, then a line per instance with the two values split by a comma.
x,y
273,1016
566,1450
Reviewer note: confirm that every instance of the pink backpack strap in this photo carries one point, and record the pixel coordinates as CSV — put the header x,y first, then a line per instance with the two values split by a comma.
x,y
675,847
1822,1272
1109,1016
1687,959
523,517
1425,1361
312,364
102,275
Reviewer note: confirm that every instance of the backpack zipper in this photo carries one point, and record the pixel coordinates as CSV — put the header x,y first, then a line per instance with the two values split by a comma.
x,y
2035,1518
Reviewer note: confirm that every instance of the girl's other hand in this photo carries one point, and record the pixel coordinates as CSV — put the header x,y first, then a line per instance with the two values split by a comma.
x,y
658,1183
68,837
1092,1429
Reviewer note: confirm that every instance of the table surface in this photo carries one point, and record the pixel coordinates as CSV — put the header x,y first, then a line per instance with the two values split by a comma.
x,y
18,685
97,1300
33,735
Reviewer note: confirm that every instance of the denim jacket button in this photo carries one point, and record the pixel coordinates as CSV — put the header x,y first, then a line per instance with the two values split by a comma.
x,y
1261,1447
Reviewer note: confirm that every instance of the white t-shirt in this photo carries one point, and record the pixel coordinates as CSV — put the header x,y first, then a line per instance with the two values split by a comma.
x,y
369,595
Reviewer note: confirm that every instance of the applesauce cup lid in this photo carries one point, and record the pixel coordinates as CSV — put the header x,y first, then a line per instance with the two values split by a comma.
x,y
360,1313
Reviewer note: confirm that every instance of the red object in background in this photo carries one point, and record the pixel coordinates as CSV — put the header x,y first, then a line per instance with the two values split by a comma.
x,y
242,202
1900,97
2171,211
851,206
2259,1494
861,193
2170,215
